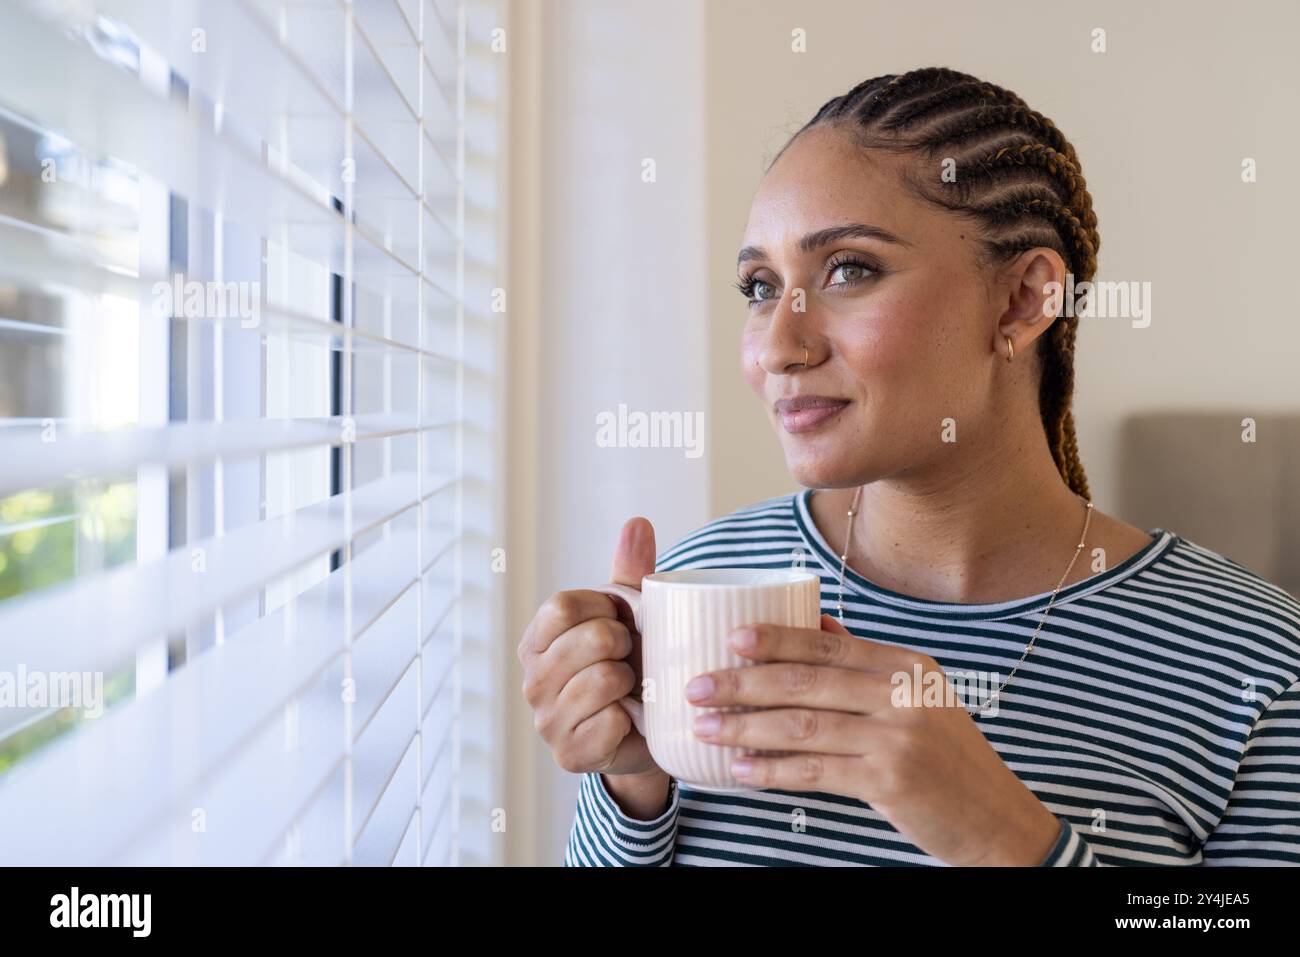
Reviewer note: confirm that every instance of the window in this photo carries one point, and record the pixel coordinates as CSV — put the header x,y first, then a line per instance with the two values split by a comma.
x,y
249,388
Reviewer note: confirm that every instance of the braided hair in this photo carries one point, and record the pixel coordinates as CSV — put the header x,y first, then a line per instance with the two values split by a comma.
x,y
1017,176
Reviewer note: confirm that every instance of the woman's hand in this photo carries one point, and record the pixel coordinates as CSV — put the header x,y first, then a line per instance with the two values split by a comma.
x,y
579,658
928,770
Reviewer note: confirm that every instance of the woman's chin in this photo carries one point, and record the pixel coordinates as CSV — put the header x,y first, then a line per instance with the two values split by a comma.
x,y
813,473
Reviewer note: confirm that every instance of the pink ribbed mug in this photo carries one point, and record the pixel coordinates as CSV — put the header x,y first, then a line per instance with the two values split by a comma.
x,y
683,619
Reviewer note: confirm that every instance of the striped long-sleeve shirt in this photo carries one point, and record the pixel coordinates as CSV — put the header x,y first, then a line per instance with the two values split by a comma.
x,y
1158,718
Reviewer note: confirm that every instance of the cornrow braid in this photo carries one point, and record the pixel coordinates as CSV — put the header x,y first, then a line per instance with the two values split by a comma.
x,y
1018,176
1062,217
959,94
1056,164
836,109
873,106
994,118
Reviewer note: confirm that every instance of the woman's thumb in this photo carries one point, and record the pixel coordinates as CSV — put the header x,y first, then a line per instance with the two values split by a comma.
x,y
634,556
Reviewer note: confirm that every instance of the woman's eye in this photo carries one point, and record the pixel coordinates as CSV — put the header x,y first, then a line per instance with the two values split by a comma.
x,y
850,273
855,272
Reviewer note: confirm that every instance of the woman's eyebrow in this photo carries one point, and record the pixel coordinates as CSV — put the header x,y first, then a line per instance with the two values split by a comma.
x,y
823,237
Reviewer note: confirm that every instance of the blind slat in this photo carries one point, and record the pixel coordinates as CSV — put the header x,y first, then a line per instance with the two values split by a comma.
x,y
262,667
124,607
380,663
392,816
30,460
380,750
39,260
119,117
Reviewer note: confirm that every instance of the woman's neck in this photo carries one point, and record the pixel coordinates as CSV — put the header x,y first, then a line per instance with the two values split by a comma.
x,y
974,535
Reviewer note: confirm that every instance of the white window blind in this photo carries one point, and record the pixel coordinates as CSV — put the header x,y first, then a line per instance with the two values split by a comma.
x,y
250,379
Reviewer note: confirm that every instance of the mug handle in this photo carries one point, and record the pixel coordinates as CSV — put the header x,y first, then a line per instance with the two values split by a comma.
x,y
632,597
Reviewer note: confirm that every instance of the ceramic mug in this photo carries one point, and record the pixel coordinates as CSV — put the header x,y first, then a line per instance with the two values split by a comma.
x,y
682,619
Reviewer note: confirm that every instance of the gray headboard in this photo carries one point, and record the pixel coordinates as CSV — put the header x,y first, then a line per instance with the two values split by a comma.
x,y
1192,473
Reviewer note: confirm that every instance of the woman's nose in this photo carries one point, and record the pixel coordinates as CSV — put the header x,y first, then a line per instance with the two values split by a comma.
x,y
786,346
784,361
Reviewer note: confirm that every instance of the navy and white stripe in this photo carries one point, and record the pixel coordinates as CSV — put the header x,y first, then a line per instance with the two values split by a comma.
x,y
1158,718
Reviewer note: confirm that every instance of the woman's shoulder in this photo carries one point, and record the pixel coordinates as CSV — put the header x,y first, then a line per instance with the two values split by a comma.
x,y
1210,569
1231,599
750,533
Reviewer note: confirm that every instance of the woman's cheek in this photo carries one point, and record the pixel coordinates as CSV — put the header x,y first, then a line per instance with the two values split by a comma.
x,y
874,352
749,367
906,337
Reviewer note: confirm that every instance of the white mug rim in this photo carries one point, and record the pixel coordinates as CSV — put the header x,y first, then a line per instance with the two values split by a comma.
x,y
793,576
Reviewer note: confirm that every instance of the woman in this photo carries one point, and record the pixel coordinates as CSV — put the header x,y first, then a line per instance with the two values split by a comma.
x,y
898,267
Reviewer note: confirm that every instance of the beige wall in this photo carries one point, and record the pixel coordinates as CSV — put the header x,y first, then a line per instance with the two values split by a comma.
x,y
608,308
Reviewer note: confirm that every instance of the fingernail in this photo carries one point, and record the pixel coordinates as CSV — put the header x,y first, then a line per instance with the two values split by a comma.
x,y
740,768
744,639
708,724
699,688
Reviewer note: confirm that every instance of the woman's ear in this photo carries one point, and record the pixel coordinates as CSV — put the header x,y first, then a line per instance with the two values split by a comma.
x,y
1035,283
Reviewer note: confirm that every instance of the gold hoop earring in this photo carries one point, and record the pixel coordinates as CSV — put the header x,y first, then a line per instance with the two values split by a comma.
x,y
1011,350
805,357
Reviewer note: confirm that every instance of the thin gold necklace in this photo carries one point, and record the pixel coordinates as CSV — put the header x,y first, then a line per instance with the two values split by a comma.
x,y
979,711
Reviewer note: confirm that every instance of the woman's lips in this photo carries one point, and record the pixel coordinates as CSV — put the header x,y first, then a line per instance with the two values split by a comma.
x,y
806,414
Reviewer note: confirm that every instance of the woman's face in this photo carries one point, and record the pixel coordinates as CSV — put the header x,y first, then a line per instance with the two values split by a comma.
x,y
901,332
